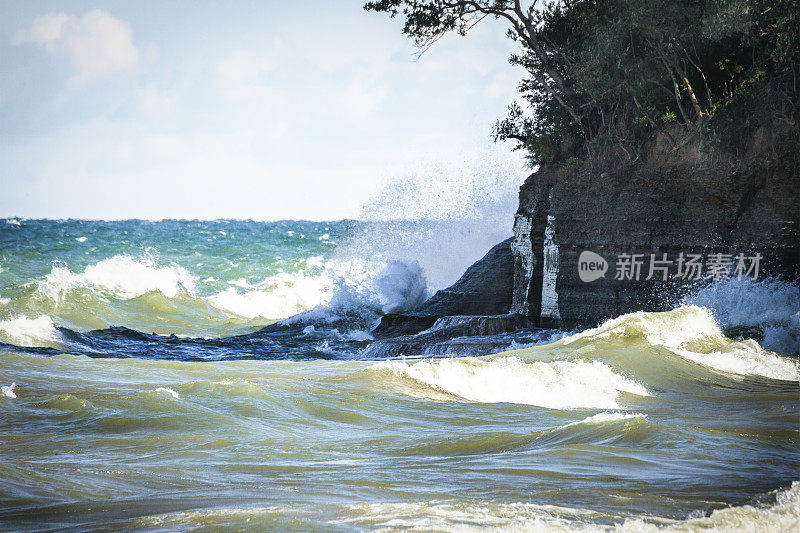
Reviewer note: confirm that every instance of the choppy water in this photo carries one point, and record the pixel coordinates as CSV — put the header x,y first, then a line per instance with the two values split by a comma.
x,y
652,420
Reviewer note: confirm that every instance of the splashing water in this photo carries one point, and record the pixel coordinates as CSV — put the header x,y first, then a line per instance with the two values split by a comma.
x,y
650,421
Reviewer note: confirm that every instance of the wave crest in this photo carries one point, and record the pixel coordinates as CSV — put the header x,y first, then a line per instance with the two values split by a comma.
x,y
555,385
276,297
770,305
693,333
122,276
26,331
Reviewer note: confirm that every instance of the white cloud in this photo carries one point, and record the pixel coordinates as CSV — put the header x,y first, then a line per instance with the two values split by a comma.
x,y
360,100
166,146
95,46
500,86
240,74
151,98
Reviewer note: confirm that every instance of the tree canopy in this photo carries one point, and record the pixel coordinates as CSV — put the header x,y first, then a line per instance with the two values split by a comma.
x,y
620,70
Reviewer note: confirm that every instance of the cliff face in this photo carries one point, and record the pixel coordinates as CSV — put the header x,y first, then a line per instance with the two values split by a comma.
x,y
730,211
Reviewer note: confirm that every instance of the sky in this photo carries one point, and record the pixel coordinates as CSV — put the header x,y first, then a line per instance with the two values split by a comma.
x,y
245,109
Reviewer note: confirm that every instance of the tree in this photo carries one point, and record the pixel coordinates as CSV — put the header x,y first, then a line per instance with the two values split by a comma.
x,y
617,71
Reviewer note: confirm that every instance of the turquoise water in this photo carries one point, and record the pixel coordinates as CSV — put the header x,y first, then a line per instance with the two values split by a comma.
x,y
139,392
184,277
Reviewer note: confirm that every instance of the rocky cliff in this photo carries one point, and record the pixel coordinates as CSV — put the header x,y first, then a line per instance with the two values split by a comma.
x,y
612,234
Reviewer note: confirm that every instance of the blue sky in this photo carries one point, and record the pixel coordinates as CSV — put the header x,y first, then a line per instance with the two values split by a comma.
x,y
245,109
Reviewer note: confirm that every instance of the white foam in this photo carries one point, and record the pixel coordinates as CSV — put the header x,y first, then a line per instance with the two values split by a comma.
x,y
276,297
556,385
747,359
168,391
123,276
8,390
241,282
671,329
323,347
358,335
26,331
365,289
783,515
769,304
81,239
692,332
606,417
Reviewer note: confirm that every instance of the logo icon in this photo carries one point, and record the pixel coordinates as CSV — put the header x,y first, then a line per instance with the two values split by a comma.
x,y
591,266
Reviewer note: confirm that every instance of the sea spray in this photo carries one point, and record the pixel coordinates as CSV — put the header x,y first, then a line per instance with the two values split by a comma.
x,y
770,306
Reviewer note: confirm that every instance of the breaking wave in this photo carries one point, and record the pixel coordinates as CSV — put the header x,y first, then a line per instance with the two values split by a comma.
x,y
146,295
555,385
275,297
691,332
769,308
26,331
781,515
121,276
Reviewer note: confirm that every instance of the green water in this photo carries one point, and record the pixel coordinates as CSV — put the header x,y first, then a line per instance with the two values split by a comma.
x,y
651,421
631,434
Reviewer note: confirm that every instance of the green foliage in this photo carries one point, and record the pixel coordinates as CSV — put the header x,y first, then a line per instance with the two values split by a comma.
x,y
618,70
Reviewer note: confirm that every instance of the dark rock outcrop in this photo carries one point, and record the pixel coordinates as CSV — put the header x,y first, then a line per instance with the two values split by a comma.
x,y
484,289
452,335
671,201
395,324
673,204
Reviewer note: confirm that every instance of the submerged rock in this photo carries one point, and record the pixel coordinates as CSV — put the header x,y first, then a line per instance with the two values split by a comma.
x,y
456,335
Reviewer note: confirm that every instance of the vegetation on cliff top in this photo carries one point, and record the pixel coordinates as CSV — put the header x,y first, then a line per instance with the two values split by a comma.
x,y
617,71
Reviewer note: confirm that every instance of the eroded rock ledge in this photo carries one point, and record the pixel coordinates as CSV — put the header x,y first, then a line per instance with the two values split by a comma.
x,y
672,200
676,199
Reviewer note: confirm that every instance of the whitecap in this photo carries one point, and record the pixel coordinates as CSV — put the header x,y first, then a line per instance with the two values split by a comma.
x,y
123,276
555,385
692,332
606,417
26,331
672,329
8,390
783,515
276,297
746,359
168,391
